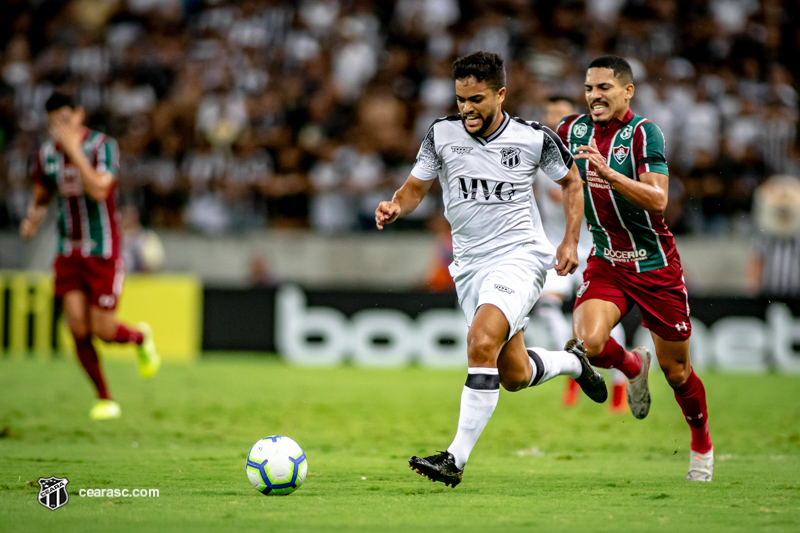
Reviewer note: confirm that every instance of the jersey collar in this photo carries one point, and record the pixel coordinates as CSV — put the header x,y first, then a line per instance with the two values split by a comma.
x,y
499,131
614,124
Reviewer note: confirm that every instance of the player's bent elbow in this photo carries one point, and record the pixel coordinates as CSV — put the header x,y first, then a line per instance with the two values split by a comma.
x,y
99,189
658,207
100,192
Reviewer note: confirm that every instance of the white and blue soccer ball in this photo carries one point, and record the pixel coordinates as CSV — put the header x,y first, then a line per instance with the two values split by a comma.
x,y
276,465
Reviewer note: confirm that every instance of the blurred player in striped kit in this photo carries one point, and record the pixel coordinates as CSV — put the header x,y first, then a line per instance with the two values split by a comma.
x,y
79,167
557,288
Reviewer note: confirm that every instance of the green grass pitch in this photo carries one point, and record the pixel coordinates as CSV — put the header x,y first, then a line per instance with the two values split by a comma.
x,y
537,467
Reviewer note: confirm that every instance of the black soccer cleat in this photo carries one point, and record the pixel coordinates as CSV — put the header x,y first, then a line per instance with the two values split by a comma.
x,y
591,382
440,467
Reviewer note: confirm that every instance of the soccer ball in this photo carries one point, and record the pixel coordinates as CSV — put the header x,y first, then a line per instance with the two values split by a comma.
x,y
276,465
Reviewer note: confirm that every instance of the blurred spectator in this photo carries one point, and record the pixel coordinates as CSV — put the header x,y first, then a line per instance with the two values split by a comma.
x,y
261,273
142,249
265,113
332,207
774,269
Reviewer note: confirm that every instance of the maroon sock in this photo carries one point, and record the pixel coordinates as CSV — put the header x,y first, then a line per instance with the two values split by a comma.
x,y
615,356
691,397
128,335
88,358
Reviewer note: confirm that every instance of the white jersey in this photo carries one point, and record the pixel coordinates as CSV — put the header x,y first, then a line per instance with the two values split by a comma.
x,y
487,184
554,220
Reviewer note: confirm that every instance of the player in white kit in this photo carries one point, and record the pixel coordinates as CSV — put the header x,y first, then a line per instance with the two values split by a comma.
x,y
486,163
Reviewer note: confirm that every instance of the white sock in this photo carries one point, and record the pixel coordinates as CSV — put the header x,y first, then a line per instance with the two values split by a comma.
x,y
478,400
559,328
548,364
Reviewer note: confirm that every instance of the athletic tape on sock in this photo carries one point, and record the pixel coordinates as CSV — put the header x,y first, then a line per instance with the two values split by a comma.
x,y
483,378
538,366
483,381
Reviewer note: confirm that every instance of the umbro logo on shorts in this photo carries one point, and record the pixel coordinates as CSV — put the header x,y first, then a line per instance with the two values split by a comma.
x,y
682,327
462,149
503,288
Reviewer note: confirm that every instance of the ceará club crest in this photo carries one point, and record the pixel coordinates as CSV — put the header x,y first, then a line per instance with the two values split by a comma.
x,y
510,157
53,492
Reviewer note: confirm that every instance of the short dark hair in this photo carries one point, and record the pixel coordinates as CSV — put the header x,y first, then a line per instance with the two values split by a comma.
x,y
483,66
561,98
622,69
58,100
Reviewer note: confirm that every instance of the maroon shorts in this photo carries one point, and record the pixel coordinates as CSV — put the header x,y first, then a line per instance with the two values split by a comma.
x,y
98,277
660,294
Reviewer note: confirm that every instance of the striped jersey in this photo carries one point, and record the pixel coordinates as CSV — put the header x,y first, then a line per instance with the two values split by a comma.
x,y
780,275
487,184
84,225
625,235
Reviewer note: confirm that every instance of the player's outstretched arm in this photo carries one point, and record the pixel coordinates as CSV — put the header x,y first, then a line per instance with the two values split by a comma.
x,y
650,192
37,210
404,201
572,198
69,134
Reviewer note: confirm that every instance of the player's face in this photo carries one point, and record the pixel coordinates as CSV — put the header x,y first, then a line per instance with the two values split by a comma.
x,y
66,115
479,105
555,111
607,97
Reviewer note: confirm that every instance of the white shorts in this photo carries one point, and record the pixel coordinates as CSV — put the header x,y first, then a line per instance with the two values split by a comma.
x,y
512,283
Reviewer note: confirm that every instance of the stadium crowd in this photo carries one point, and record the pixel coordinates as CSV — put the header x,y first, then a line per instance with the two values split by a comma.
x,y
235,115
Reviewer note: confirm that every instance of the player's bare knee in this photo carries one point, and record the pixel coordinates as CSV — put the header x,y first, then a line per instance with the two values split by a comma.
x,y
103,327
79,329
80,333
481,350
594,343
103,332
104,337
513,386
676,373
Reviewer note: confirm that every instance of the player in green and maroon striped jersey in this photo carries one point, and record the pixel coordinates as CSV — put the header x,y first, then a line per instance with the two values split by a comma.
x,y
634,259
79,166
